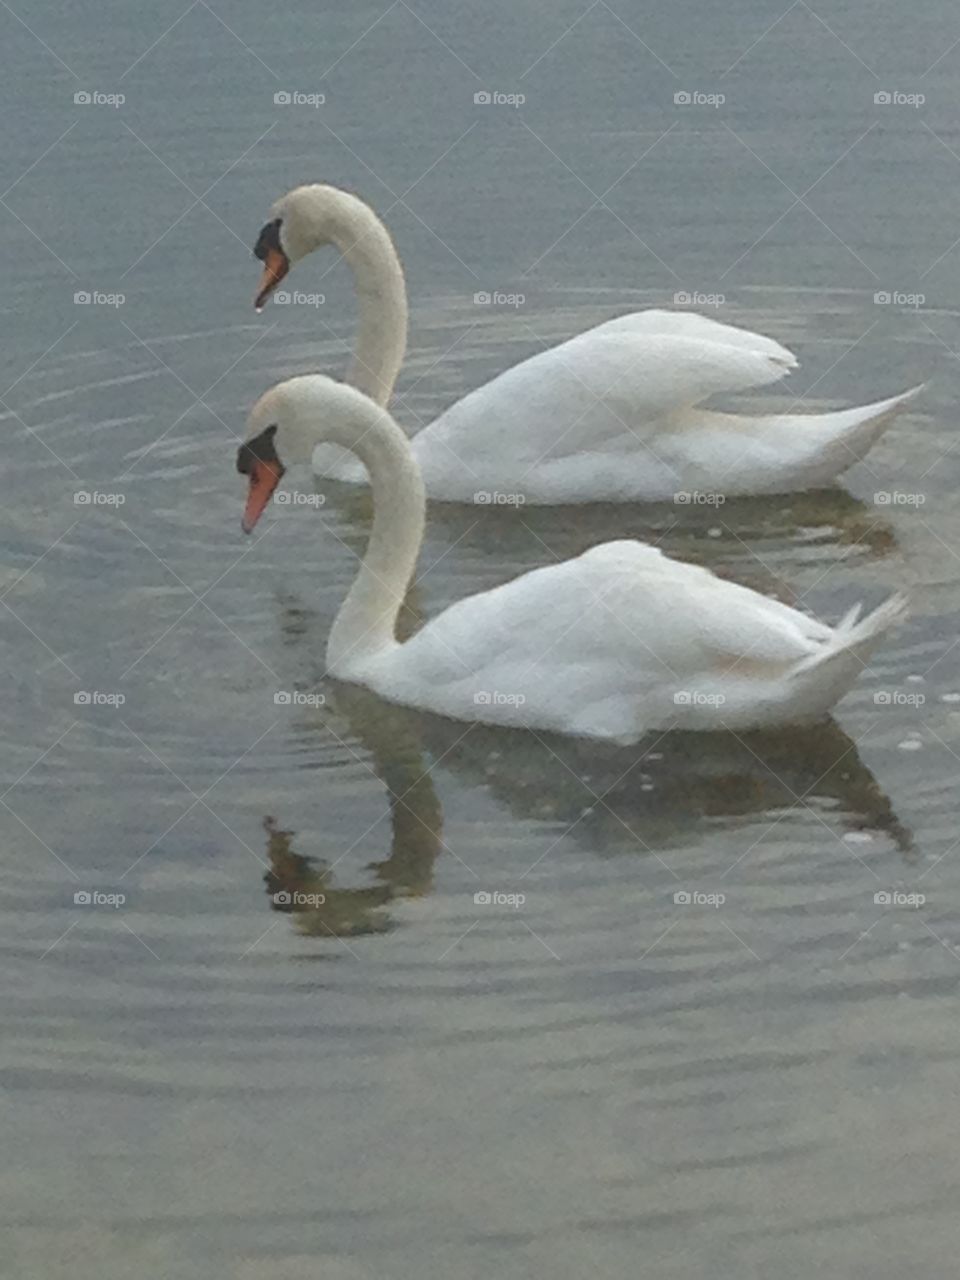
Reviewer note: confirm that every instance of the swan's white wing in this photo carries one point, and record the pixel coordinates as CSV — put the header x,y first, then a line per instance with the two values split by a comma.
x,y
689,324
601,393
642,377
621,598
600,643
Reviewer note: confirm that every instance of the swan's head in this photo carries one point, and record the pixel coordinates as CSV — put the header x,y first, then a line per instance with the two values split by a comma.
x,y
303,220
285,426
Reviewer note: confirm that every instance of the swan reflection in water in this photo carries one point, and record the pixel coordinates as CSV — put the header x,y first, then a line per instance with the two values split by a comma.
x,y
661,793
296,883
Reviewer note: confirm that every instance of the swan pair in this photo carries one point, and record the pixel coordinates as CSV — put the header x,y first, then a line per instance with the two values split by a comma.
x,y
621,639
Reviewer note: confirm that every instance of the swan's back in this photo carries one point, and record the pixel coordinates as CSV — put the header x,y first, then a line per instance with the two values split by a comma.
x,y
598,643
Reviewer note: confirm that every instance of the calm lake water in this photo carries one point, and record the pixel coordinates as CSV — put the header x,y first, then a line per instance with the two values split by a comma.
x,y
200,1081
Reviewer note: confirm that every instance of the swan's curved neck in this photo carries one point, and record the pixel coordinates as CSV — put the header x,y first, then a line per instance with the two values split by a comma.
x,y
365,627
365,244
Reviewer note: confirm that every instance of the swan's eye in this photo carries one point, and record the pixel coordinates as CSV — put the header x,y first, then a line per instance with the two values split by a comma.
x,y
269,238
258,449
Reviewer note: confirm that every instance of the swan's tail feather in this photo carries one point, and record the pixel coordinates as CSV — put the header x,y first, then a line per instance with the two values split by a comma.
x,y
849,618
824,677
857,634
798,450
843,437
849,434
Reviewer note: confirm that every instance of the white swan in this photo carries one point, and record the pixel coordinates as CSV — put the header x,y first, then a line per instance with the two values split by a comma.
x,y
618,641
610,415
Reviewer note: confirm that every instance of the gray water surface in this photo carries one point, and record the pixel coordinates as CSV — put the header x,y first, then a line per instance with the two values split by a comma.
x,y
208,1081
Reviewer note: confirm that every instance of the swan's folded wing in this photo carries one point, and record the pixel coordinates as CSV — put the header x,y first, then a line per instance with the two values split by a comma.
x,y
691,619
689,324
654,375
620,613
599,391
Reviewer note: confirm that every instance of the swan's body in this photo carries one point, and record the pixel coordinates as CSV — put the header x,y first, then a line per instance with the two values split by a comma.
x,y
610,415
615,642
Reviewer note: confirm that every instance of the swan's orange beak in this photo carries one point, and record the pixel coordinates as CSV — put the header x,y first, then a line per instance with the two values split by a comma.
x,y
276,264
264,478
